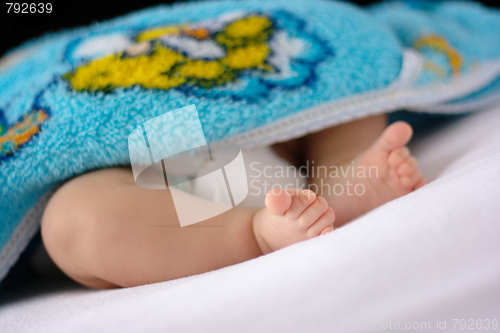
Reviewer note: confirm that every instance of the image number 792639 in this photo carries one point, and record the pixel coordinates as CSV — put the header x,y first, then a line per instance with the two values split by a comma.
x,y
28,8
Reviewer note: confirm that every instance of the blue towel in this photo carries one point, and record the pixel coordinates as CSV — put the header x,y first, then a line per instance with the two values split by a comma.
x,y
258,72
471,32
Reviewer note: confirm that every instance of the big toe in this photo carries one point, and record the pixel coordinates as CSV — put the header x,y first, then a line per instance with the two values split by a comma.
x,y
290,201
278,201
394,136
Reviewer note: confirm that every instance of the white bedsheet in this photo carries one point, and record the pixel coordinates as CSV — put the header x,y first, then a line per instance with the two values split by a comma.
x,y
430,256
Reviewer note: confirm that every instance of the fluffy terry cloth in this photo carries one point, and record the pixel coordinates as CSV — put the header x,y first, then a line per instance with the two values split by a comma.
x,y
468,27
257,71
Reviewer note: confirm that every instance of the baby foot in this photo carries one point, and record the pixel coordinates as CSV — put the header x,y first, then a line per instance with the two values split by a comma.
x,y
392,173
398,170
291,216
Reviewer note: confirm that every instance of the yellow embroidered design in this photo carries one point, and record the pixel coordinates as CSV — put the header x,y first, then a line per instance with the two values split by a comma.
x,y
113,71
250,27
247,56
251,30
155,33
439,44
243,44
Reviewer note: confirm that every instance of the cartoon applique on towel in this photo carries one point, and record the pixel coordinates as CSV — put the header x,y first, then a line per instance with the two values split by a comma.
x,y
15,136
238,55
438,46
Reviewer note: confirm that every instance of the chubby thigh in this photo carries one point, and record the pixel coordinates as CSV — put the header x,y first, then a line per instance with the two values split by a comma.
x,y
104,231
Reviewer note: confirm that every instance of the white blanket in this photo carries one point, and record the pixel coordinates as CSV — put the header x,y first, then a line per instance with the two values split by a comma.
x,y
420,261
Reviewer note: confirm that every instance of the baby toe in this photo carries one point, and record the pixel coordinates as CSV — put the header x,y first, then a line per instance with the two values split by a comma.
x,y
397,156
396,135
411,180
420,183
312,213
407,167
323,225
278,201
300,201
327,230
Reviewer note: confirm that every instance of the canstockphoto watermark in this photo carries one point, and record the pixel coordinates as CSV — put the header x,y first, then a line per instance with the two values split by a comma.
x,y
324,180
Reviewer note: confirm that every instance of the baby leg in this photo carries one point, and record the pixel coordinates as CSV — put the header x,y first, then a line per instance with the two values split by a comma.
x,y
104,231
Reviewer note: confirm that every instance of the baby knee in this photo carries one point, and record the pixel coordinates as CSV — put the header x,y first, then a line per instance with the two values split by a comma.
x,y
67,232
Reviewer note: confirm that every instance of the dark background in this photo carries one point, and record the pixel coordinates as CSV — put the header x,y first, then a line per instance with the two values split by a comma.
x,y
17,28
